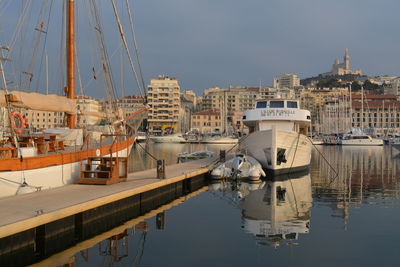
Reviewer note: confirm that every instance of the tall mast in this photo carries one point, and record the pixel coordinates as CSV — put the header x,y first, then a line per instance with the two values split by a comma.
x,y
71,57
362,109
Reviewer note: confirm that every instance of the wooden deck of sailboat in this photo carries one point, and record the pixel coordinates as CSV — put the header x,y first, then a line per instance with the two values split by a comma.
x,y
23,212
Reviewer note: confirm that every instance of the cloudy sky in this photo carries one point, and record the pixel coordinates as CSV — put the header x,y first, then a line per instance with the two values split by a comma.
x,y
212,43
231,42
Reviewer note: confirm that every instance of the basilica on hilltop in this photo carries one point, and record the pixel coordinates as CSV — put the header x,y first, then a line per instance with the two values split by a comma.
x,y
343,68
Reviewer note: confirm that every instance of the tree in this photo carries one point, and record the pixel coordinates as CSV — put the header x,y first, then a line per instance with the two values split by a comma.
x,y
355,86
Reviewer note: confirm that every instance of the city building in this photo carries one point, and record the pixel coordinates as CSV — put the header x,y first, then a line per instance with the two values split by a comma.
x,y
164,105
321,103
288,80
272,92
207,121
44,119
231,102
89,111
380,114
343,68
130,104
187,107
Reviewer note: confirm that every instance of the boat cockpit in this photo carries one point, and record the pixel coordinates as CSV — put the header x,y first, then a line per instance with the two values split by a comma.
x,y
278,103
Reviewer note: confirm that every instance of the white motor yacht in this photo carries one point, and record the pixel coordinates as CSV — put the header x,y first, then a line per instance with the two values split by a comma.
x,y
170,138
141,137
360,140
278,135
219,139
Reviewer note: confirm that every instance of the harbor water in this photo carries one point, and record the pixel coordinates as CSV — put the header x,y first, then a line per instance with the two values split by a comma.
x,y
344,212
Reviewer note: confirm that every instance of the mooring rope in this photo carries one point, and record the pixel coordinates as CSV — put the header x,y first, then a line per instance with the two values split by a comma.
x,y
19,183
323,157
147,152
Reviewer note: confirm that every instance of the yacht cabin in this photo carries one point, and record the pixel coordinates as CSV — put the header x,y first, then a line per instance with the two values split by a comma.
x,y
284,114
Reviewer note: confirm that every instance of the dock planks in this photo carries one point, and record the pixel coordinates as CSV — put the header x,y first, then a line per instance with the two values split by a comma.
x,y
23,212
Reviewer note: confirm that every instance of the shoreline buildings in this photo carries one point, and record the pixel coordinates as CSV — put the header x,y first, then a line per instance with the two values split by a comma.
x,y
164,103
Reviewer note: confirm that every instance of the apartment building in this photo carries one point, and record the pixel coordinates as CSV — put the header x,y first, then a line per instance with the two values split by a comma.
x,y
379,113
272,92
130,104
232,102
44,119
90,111
164,105
288,80
207,121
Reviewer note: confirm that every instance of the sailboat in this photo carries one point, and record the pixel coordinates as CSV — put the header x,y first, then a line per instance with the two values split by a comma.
x,y
359,138
42,160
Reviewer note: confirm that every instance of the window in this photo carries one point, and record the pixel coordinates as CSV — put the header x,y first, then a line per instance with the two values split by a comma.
x,y
291,104
261,105
276,104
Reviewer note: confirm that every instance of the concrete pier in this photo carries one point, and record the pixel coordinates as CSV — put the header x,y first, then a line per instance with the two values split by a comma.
x,y
33,221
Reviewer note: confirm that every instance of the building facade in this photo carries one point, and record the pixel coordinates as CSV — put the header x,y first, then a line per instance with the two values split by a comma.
x,y
231,102
44,119
130,104
380,114
207,121
89,111
288,80
164,105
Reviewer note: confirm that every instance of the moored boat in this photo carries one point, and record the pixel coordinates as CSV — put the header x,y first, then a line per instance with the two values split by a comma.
x,y
170,138
360,140
277,137
185,156
219,139
241,166
36,160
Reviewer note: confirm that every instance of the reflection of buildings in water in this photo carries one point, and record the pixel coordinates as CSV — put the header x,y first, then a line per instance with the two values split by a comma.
x,y
367,166
279,211
362,173
140,159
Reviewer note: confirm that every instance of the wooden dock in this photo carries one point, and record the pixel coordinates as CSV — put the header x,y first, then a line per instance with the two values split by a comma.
x,y
24,212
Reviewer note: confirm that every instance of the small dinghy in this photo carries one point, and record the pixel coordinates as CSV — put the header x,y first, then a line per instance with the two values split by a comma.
x,y
241,166
185,156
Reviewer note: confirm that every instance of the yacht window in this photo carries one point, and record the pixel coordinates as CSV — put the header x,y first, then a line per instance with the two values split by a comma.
x,y
291,104
276,104
261,105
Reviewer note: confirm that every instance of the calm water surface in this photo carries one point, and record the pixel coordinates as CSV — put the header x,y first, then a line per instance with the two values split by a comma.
x,y
345,213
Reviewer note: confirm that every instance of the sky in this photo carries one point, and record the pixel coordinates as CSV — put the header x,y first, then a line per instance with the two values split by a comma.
x,y
221,43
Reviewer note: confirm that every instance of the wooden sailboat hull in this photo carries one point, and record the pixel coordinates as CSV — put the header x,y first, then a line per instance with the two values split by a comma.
x,y
51,171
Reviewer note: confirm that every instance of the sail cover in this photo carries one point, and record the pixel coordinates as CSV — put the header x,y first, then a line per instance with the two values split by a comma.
x,y
38,101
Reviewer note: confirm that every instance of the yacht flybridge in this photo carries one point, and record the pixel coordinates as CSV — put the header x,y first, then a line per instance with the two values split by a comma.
x,y
278,135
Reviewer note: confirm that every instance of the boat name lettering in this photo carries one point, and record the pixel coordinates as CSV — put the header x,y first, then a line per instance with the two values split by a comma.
x,y
276,112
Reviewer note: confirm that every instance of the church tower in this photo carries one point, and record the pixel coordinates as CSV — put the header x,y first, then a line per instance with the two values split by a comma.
x,y
347,60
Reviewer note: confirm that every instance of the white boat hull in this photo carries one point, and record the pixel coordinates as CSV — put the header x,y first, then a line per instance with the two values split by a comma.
x,y
264,146
362,142
44,178
222,140
165,139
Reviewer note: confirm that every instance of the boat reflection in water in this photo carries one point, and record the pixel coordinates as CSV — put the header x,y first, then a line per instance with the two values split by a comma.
x,y
274,211
278,212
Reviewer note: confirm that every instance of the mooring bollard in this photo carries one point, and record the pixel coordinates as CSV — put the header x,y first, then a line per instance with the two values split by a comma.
x,y
160,220
160,169
222,155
